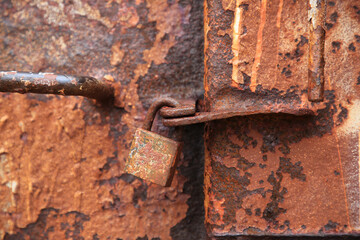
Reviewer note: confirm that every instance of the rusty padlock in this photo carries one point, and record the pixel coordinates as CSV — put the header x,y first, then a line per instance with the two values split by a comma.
x,y
153,157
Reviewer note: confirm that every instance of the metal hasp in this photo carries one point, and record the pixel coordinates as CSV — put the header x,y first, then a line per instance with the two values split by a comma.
x,y
280,174
202,117
50,83
153,157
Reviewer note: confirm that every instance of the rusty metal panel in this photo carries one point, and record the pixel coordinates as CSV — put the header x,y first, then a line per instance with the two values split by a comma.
x,y
280,174
62,158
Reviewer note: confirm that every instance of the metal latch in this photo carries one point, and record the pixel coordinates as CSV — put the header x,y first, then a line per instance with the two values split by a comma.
x,y
152,157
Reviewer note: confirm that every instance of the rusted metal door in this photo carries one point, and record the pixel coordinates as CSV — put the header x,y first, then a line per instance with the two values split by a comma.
x,y
279,174
273,173
62,158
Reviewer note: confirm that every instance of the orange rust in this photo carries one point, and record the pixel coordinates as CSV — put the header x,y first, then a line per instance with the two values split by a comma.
x,y
259,41
278,16
342,178
237,28
277,173
278,25
77,148
316,50
153,157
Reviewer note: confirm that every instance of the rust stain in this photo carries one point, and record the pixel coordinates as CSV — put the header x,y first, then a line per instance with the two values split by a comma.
x,y
259,42
167,22
358,161
77,147
278,25
349,131
8,190
229,4
206,44
152,157
127,16
281,166
28,171
342,178
57,14
316,77
237,28
117,54
278,15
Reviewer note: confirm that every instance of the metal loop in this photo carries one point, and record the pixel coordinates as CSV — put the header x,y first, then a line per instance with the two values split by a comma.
x,y
155,106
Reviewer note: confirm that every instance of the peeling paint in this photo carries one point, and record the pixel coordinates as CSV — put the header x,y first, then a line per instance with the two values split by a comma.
x,y
278,174
68,153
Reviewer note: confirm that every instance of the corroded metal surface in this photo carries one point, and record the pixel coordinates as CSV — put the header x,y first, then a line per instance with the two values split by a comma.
x,y
188,112
155,107
62,158
185,108
279,174
317,14
201,117
153,157
50,83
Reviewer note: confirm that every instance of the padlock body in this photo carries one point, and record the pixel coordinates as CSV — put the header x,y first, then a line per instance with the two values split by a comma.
x,y
153,157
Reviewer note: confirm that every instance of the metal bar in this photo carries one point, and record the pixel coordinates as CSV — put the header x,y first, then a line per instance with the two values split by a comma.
x,y
50,83
211,116
187,112
316,50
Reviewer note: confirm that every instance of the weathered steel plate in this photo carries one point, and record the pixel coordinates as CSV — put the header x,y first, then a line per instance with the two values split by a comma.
x,y
62,158
280,174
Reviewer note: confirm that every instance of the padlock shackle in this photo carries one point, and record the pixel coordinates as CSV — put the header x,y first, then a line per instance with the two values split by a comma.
x,y
155,107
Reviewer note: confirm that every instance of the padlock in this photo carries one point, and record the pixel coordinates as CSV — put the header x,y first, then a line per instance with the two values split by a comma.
x,y
153,157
